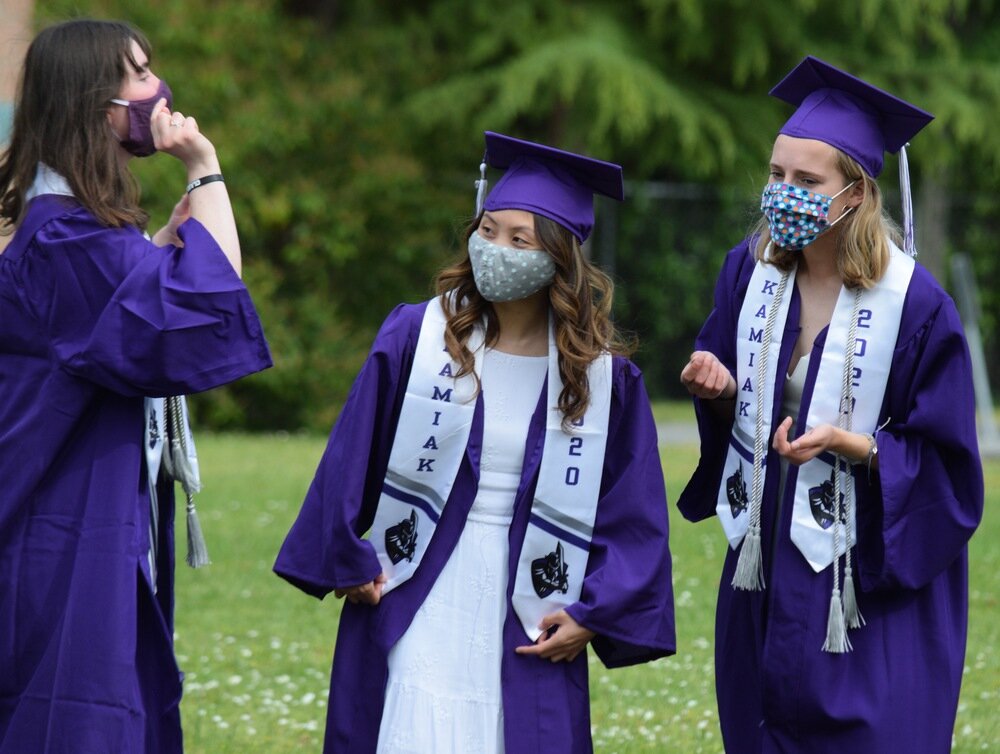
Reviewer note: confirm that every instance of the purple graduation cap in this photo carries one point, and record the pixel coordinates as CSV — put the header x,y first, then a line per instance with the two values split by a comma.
x,y
857,118
547,181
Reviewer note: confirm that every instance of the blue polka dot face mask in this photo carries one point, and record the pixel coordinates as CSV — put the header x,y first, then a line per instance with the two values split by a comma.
x,y
506,274
795,215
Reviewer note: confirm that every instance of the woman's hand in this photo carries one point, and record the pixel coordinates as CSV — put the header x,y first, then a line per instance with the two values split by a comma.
x,y
209,203
179,136
368,594
168,233
706,377
806,447
565,643
851,445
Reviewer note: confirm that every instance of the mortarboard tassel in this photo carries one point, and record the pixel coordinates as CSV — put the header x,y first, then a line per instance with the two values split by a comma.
x,y
481,185
909,246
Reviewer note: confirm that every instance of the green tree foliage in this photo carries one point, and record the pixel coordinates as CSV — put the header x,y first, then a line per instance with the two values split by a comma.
x,y
350,135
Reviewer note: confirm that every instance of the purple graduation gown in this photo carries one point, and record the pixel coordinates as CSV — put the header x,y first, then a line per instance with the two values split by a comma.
x,y
898,689
91,320
627,597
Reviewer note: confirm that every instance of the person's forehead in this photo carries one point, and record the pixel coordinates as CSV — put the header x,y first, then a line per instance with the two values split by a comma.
x,y
790,151
514,218
138,55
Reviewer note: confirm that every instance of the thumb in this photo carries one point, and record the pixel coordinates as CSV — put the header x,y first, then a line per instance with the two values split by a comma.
x,y
552,619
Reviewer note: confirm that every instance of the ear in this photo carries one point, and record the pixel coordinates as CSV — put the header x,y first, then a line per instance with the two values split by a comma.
x,y
857,193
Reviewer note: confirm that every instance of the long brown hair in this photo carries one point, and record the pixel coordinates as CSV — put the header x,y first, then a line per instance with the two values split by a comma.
x,y
580,298
863,241
70,73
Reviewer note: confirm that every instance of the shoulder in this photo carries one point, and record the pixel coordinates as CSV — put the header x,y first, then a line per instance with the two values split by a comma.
x,y
737,267
739,260
401,328
925,305
64,229
626,379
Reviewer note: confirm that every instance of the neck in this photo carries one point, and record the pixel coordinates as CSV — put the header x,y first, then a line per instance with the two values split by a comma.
x,y
819,259
524,325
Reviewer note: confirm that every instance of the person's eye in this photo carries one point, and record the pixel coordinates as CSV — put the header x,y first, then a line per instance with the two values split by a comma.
x,y
776,175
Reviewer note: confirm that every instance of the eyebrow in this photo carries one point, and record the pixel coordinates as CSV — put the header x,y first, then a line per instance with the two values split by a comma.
x,y
807,173
515,229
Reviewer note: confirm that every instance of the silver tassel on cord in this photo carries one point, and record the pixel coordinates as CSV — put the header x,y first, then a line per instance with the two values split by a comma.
x,y
843,606
909,243
178,465
749,575
836,628
481,185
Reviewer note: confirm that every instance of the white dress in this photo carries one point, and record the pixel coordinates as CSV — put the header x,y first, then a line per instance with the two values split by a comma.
x,y
443,694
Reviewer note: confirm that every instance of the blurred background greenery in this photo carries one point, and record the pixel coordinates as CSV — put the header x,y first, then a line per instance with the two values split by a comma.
x,y
350,134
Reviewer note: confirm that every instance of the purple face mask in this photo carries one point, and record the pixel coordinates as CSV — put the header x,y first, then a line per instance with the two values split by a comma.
x,y
140,112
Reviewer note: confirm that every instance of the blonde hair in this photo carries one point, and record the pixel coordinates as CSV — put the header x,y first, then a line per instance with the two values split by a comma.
x,y
863,238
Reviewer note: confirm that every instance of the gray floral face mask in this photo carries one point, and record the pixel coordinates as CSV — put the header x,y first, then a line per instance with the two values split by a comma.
x,y
506,274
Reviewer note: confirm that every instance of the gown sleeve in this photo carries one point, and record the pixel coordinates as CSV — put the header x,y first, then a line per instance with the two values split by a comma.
x,y
919,511
718,336
138,319
627,594
324,550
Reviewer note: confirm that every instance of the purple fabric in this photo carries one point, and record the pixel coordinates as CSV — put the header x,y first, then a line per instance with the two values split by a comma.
x,y
627,596
91,320
550,182
843,111
898,690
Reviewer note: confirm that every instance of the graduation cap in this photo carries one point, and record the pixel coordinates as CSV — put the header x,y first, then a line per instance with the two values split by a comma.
x,y
847,113
547,181
857,118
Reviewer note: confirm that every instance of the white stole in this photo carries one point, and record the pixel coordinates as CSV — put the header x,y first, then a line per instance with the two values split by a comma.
x,y
878,322
733,502
431,437
553,558
877,329
432,434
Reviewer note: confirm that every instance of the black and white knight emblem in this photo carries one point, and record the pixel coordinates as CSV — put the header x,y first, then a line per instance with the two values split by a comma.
x,y
401,539
736,491
550,573
154,429
821,502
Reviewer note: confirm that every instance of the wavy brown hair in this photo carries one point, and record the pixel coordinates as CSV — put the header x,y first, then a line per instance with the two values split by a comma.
x,y
580,298
863,239
70,73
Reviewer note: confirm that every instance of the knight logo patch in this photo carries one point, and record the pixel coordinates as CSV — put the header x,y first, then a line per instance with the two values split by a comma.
x,y
736,491
154,429
550,574
401,539
821,502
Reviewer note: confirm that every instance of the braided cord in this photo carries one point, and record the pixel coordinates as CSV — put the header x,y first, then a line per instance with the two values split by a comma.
x,y
749,573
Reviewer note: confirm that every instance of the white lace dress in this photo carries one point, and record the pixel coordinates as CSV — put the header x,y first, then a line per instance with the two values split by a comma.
x,y
443,694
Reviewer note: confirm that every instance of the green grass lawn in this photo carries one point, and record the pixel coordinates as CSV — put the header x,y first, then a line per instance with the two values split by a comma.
x,y
257,652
